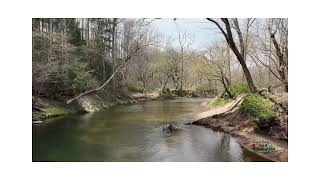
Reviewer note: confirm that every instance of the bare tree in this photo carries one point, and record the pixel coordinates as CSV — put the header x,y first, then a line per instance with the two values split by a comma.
x,y
227,33
217,60
270,50
281,49
143,68
184,44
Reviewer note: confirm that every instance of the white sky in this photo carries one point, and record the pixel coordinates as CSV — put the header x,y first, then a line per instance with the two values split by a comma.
x,y
201,31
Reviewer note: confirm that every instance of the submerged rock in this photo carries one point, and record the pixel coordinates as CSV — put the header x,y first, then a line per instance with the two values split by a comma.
x,y
170,128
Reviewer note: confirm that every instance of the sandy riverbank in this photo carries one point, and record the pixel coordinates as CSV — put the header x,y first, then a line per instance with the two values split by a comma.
x,y
243,128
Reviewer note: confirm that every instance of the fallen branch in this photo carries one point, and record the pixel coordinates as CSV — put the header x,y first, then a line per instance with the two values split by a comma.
x,y
100,87
133,52
223,114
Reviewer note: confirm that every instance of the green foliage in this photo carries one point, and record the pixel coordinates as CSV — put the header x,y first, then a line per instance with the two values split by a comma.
x,y
39,42
218,101
100,67
57,111
74,33
121,102
134,88
79,78
240,88
257,107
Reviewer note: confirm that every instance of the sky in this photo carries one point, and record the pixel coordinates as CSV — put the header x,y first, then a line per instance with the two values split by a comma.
x,y
201,31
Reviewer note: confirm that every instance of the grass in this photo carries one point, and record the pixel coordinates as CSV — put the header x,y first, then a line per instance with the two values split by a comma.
x,y
56,111
240,88
257,107
218,101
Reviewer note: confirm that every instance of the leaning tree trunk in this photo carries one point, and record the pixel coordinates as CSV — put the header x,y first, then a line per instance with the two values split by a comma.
x,y
98,88
239,56
165,84
110,78
228,36
226,87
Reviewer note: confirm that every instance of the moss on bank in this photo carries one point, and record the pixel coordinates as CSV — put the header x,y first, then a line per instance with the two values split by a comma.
x,y
50,112
57,111
44,108
257,107
110,104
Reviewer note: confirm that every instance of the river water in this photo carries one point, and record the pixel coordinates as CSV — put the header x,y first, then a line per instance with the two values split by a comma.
x,y
134,133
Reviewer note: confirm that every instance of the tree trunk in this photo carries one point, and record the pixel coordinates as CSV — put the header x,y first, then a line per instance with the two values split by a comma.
x,y
239,56
50,30
165,84
82,28
88,31
113,31
182,70
144,87
281,63
227,87
232,45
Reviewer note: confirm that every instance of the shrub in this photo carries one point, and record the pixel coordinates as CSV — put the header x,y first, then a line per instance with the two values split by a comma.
x,y
134,88
39,42
257,107
218,101
80,79
240,88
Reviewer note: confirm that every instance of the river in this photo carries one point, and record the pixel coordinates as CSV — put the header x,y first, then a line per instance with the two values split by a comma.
x,y
134,133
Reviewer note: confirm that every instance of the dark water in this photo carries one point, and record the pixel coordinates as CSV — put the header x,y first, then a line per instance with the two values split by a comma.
x,y
134,133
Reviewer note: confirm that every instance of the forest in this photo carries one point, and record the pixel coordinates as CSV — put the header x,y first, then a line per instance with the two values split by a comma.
x,y
99,64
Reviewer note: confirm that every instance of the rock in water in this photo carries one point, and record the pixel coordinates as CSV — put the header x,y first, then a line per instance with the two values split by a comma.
x,y
36,122
170,128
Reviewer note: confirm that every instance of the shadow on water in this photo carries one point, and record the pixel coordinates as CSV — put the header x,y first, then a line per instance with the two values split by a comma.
x,y
134,133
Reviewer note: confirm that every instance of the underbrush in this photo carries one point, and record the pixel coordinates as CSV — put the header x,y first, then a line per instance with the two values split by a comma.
x,y
135,88
240,88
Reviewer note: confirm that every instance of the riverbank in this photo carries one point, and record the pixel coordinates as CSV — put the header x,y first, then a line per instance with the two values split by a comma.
x,y
45,108
243,128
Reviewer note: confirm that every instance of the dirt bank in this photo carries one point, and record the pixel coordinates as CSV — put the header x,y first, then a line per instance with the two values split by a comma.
x,y
45,108
244,129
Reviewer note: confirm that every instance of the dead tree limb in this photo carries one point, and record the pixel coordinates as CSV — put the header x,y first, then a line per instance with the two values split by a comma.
x,y
98,88
220,115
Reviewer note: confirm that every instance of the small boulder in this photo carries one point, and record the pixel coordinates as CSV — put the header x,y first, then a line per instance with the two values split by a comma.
x,y
170,128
